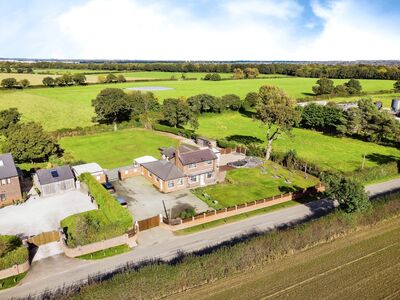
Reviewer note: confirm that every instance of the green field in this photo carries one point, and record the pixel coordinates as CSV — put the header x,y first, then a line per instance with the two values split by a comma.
x,y
244,185
342,154
385,98
36,79
116,149
68,107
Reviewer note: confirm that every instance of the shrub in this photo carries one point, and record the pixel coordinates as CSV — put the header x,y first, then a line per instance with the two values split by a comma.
x,y
109,221
187,213
178,131
12,252
223,143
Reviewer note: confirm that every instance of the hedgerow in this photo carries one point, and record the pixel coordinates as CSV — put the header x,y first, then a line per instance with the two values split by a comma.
x,y
12,252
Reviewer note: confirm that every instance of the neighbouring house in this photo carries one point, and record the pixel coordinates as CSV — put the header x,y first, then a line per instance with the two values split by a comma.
x,y
10,184
54,181
164,175
92,168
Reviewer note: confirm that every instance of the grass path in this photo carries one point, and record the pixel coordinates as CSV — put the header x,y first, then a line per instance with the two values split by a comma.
x,y
341,269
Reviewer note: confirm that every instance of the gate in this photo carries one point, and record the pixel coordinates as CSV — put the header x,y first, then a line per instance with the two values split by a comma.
x,y
149,223
44,238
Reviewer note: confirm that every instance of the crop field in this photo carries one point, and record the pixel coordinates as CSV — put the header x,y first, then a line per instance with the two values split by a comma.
x,y
36,79
68,107
336,270
116,149
342,154
244,185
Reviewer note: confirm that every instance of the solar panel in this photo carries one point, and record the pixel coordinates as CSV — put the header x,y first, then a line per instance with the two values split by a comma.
x,y
54,173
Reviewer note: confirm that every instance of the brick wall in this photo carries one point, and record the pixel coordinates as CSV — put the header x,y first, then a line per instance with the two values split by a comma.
x,y
15,270
12,191
129,172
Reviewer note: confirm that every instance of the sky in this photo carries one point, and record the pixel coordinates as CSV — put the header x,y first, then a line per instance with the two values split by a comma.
x,y
201,29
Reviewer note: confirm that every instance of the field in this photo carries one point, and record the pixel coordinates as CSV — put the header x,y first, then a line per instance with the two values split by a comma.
x,y
68,107
116,149
342,154
336,270
244,185
385,98
36,79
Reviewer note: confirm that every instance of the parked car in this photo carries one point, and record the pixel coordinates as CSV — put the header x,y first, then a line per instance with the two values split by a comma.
x,y
121,201
109,187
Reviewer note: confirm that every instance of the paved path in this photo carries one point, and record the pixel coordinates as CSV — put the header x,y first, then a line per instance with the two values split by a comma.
x,y
383,187
159,243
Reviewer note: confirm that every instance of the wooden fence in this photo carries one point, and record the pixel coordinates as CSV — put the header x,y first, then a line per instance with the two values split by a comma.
x,y
149,223
238,149
44,238
213,215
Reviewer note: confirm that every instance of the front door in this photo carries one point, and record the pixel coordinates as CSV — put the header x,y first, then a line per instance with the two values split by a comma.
x,y
202,182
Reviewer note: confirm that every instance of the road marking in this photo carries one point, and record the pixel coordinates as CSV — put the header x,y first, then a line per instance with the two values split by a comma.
x,y
328,272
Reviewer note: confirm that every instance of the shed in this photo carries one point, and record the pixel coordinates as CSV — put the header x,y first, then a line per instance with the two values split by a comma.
x,y
143,160
54,181
92,168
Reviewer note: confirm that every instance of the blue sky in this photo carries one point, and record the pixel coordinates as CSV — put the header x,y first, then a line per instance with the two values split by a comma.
x,y
201,30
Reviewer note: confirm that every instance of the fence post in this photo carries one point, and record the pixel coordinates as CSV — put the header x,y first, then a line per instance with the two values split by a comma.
x,y
226,209
215,212
255,202
204,215
273,198
245,204
235,207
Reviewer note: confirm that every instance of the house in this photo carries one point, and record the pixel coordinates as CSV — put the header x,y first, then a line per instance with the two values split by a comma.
x,y
10,185
54,181
92,168
164,175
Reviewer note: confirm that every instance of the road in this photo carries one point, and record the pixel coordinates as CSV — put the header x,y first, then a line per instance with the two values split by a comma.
x,y
159,243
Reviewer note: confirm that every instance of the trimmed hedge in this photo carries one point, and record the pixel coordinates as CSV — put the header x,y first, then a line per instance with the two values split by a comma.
x,y
178,131
224,143
375,173
110,220
12,252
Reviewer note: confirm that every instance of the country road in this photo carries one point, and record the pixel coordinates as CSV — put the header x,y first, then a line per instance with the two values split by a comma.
x,y
159,243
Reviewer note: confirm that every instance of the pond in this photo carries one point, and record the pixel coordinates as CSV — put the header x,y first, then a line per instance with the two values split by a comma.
x,y
149,88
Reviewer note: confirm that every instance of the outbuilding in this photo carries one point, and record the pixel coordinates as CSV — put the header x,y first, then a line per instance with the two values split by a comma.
x,y
54,181
93,168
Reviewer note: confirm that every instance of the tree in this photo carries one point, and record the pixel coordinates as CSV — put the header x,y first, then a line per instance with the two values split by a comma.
x,y
276,110
112,106
238,73
215,77
340,90
9,83
231,101
251,99
177,113
324,87
251,73
79,79
207,76
101,79
204,103
350,194
8,118
28,142
111,78
142,102
396,86
121,78
24,83
353,86
49,81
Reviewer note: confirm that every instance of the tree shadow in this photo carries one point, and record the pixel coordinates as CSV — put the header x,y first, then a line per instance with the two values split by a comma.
x,y
248,114
244,139
382,159
289,189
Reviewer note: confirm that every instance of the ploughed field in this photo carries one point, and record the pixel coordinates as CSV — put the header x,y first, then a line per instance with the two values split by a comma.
x,y
68,107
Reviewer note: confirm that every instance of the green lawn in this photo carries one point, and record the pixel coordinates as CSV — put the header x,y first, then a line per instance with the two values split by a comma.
x,y
106,253
244,185
116,149
342,154
9,282
385,98
68,107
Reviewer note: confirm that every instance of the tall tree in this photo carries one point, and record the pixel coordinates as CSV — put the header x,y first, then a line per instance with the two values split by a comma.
x,y
177,113
396,86
251,99
8,118
79,79
353,86
276,110
49,81
238,73
112,106
204,103
9,83
324,87
24,83
231,101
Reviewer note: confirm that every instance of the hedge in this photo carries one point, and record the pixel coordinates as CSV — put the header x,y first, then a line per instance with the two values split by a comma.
x,y
178,131
224,143
375,173
110,220
12,252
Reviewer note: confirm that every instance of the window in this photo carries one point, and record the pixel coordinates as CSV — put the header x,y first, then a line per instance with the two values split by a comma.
x,y
193,178
209,175
192,166
8,180
135,164
2,197
208,162
180,181
98,177
171,184
3,182
126,172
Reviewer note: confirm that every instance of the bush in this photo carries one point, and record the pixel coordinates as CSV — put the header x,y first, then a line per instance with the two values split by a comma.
x,y
109,221
223,143
187,213
375,173
12,252
178,131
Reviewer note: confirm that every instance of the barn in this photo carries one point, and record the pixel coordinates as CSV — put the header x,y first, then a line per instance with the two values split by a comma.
x,y
54,181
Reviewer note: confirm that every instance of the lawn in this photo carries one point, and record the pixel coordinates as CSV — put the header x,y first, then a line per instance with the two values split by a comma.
x,y
106,253
9,282
341,154
116,149
244,185
68,107
385,98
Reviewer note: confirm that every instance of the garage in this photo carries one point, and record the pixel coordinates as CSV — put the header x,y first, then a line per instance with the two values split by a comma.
x,y
54,181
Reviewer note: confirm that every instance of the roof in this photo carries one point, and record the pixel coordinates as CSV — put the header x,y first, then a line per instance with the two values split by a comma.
x,y
91,168
170,151
144,159
197,156
47,176
164,169
7,166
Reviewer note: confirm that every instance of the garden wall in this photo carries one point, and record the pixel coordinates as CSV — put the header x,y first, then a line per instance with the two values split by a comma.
x,y
15,270
240,209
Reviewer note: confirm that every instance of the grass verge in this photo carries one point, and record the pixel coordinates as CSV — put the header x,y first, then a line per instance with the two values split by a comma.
x,y
106,253
9,282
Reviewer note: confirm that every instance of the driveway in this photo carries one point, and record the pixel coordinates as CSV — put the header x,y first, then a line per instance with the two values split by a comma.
x,y
39,215
145,201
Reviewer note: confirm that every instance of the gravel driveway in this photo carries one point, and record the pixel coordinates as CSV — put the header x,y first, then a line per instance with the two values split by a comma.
x,y
39,215
145,201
